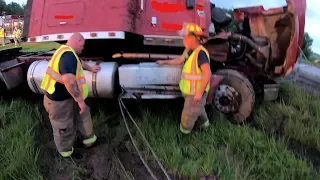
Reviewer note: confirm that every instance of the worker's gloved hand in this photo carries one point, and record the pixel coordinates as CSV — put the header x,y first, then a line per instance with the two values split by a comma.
x,y
82,105
95,68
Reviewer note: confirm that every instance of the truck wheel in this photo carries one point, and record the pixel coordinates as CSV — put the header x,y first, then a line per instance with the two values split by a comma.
x,y
234,96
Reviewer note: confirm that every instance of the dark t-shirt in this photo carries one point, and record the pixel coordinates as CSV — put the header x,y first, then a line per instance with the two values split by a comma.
x,y
202,57
67,64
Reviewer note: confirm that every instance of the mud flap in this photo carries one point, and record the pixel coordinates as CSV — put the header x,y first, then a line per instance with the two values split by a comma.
x,y
214,82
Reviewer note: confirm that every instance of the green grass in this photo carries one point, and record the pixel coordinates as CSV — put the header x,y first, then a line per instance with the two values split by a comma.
x,y
34,47
297,113
226,150
18,153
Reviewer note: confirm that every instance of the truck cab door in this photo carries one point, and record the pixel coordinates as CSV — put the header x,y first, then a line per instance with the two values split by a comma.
x,y
166,17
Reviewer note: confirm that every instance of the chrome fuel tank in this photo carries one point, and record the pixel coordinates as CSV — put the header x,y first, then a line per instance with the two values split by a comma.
x,y
150,81
101,84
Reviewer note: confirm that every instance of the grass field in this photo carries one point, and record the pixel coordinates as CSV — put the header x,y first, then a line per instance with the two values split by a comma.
x,y
282,141
253,151
34,47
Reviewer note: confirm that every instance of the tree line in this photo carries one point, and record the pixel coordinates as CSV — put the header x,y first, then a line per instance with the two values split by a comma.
x,y
12,8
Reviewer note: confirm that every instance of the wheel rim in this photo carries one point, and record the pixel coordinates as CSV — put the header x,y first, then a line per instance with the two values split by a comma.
x,y
227,99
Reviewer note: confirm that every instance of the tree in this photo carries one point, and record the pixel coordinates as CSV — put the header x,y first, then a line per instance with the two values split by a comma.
x,y
306,46
14,8
232,27
3,6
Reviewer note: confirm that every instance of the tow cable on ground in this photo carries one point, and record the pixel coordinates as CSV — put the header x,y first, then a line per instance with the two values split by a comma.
x,y
122,109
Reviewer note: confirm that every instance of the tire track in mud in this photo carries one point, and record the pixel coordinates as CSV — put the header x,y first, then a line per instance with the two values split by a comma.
x,y
300,150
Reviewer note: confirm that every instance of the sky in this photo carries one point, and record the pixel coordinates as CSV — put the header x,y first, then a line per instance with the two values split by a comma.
x,y
312,17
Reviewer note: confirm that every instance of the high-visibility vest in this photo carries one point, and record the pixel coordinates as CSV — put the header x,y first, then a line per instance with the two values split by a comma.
x,y
17,33
191,75
2,32
53,75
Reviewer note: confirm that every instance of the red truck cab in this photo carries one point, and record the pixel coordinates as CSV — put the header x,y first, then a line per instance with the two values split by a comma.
x,y
137,23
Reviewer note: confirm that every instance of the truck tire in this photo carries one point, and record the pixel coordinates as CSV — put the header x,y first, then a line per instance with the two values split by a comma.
x,y
234,96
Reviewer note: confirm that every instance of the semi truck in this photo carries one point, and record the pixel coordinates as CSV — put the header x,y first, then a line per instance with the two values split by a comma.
x,y
126,37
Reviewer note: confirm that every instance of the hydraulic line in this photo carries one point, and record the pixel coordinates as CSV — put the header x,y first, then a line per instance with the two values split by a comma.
x,y
122,108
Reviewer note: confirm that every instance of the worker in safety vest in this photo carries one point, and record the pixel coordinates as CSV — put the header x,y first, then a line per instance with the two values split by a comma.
x,y
17,36
195,78
2,40
65,92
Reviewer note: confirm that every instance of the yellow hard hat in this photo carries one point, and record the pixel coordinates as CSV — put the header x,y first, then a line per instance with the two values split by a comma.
x,y
193,29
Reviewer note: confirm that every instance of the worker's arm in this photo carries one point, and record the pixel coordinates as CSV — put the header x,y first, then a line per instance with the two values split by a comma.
x,y
68,69
176,61
93,69
204,63
69,81
85,66
206,72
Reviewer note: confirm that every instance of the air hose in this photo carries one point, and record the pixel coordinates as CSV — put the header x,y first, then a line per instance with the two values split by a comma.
x,y
122,109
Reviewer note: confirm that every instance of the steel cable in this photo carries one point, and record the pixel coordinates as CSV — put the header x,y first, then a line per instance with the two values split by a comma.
x,y
121,104
133,142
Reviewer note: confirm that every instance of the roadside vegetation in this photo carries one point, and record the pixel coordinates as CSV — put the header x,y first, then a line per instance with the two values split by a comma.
x,y
251,151
260,149
296,115
19,154
33,47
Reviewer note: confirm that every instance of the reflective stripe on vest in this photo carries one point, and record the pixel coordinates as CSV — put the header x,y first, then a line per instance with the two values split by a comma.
x,y
52,74
47,80
191,75
1,32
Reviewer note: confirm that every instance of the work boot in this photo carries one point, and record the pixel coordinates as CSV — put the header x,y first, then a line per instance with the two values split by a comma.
x,y
74,155
100,140
205,125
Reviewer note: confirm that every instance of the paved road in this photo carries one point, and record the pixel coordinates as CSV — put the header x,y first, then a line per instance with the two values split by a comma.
x,y
306,67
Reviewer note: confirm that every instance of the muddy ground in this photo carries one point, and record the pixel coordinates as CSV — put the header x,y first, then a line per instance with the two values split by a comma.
x,y
115,159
